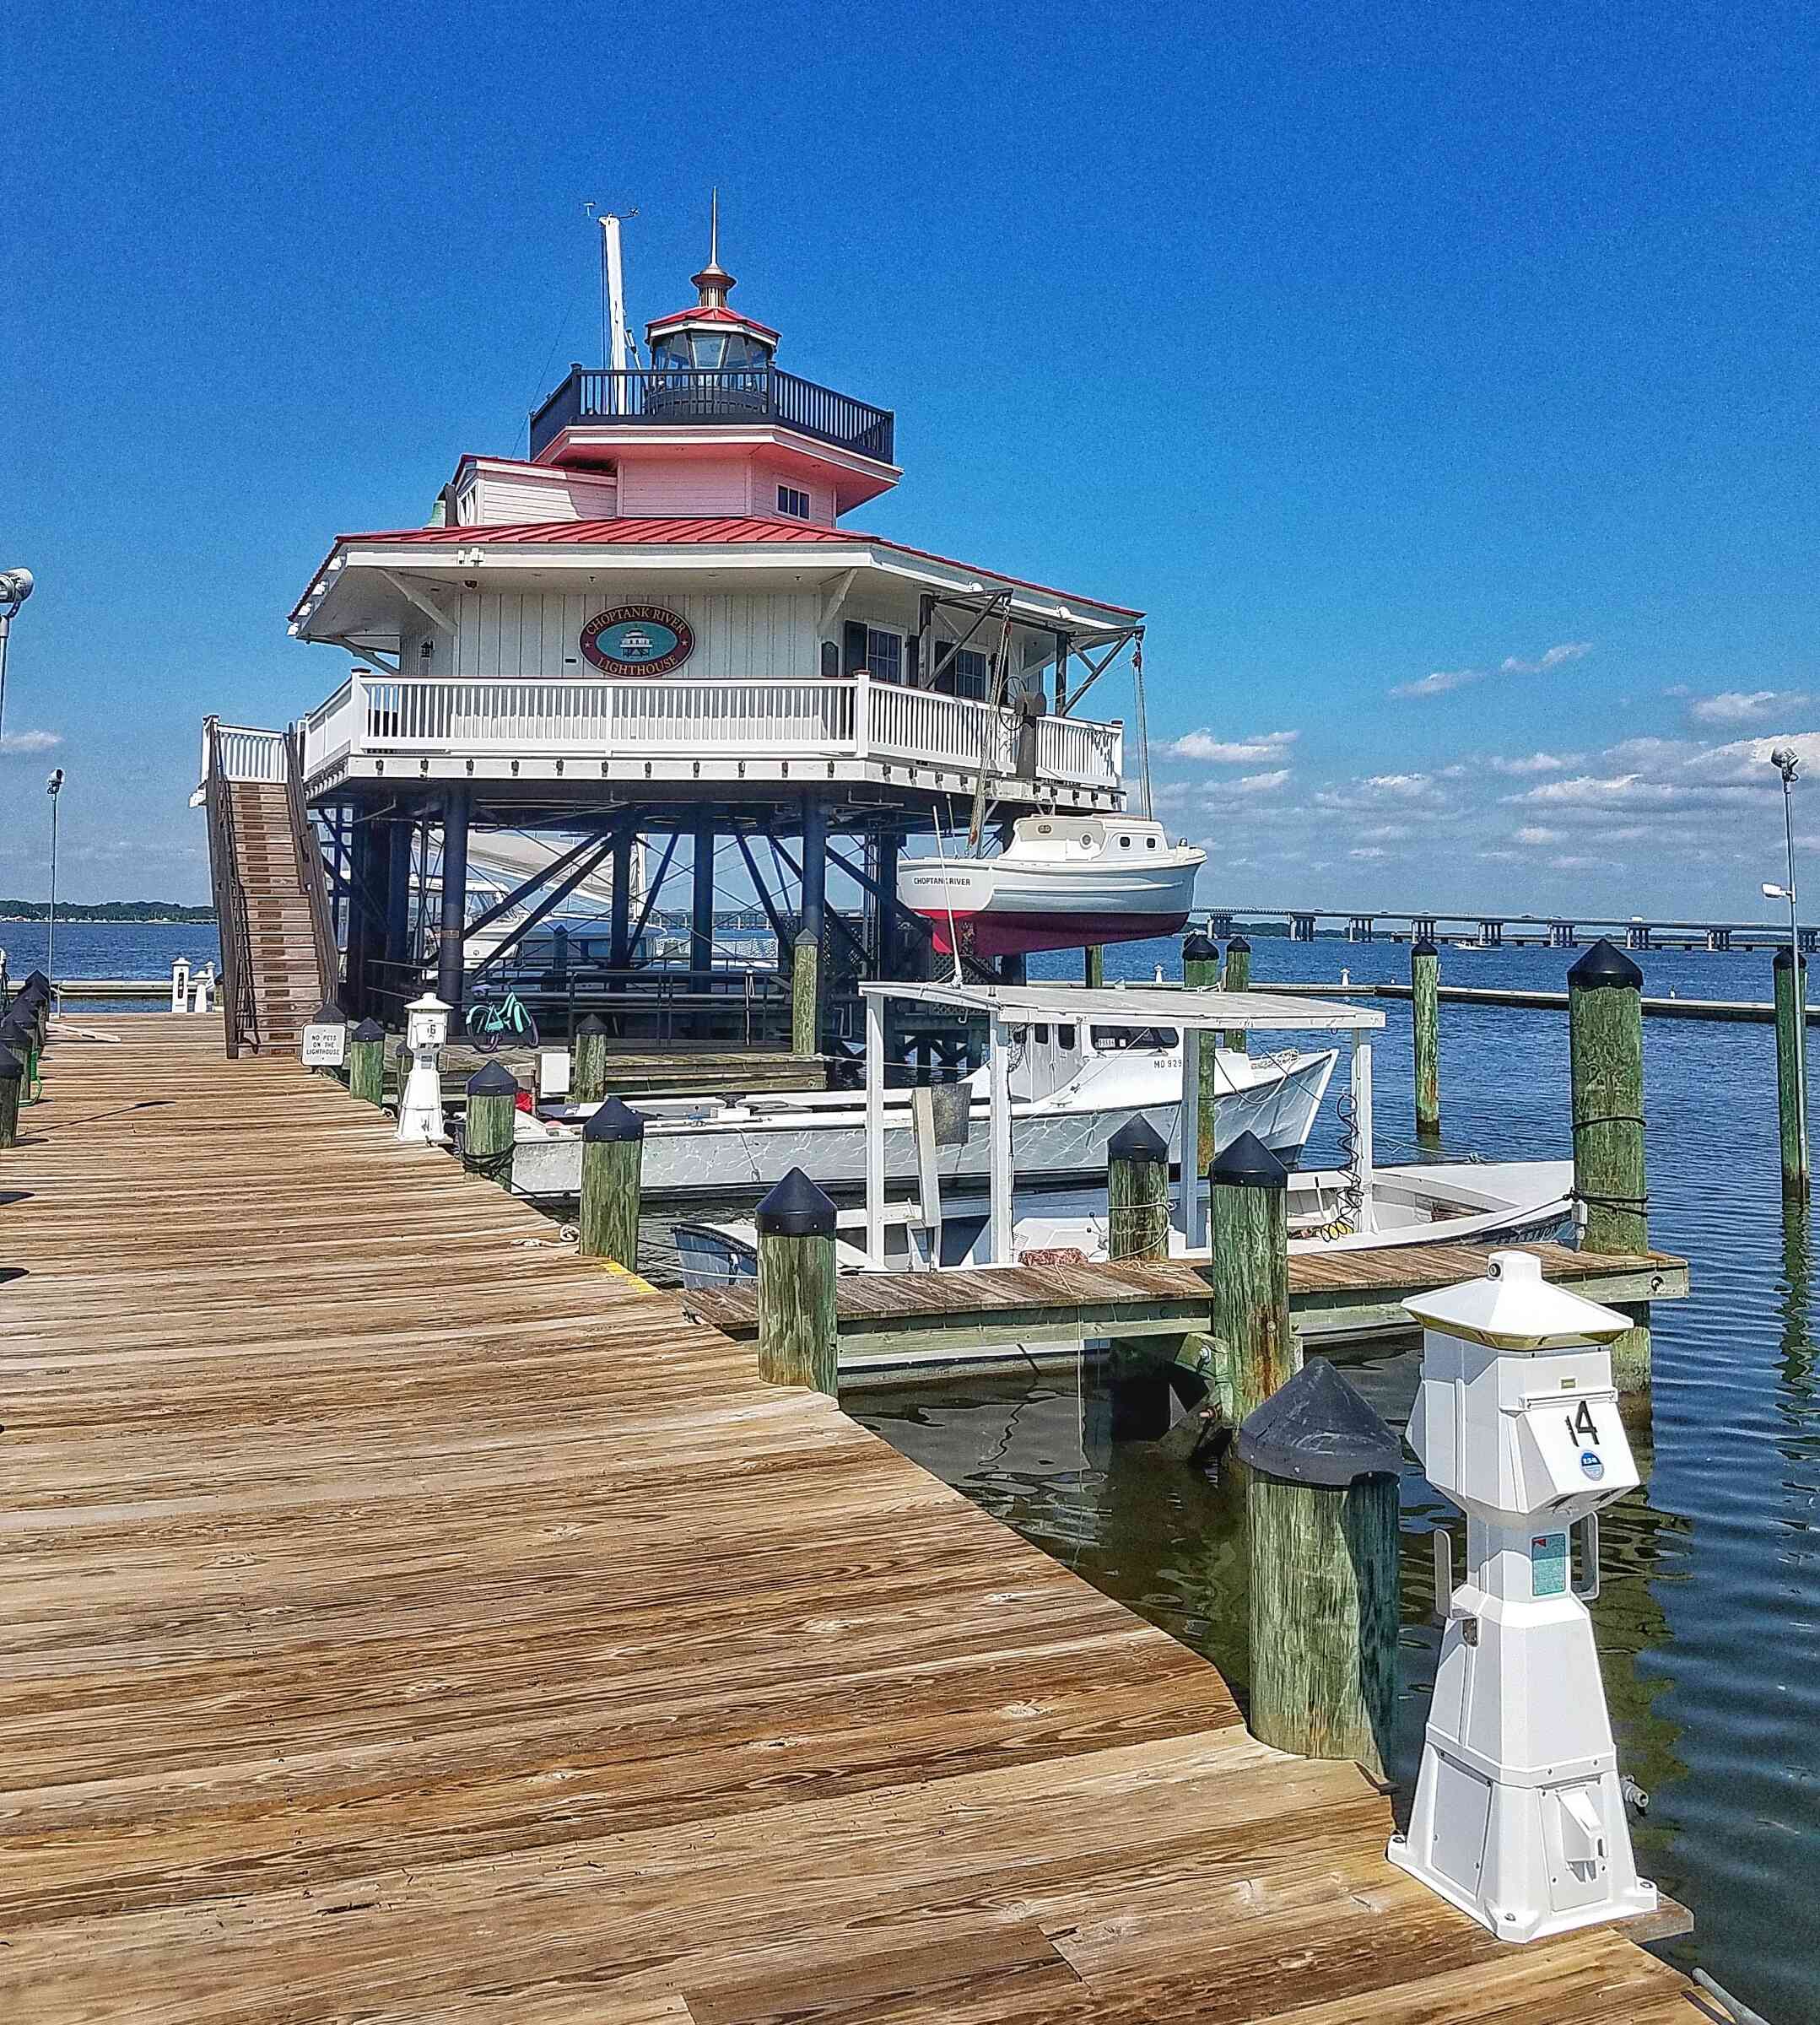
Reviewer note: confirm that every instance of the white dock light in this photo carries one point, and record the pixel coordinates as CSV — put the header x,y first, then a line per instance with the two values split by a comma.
x,y
426,1028
1519,1818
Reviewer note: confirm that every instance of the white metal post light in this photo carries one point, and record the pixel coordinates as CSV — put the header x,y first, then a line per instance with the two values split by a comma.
x,y
426,1028
1787,762
54,788
1519,1818
15,587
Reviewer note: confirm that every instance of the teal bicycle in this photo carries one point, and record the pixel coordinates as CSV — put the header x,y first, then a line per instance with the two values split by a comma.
x,y
492,1023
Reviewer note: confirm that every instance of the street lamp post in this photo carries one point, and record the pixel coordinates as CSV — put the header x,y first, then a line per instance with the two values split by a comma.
x,y
1791,1000
15,587
54,788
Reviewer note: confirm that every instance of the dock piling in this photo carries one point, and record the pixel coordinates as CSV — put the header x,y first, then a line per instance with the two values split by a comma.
x,y
1138,1227
1250,1271
19,1032
805,1019
1094,967
1200,972
489,1129
366,1062
587,1073
1321,1526
1238,978
12,1080
612,1162
1424,988
798,1338
1605,1043
1790,975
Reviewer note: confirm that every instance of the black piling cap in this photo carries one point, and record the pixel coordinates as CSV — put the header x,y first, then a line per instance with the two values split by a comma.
x,y
328,1014
1137,1140
1248,1162
495,1080
12,1069
613,1124
1199,949
1319,1429
1424,947
35,980
15,1033
1784,957
32,993
1605,964
593,1023
1241,944
368,1029
795,1208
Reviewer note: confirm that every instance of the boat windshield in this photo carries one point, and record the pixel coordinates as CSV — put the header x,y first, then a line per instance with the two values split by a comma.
x,y
1109,1038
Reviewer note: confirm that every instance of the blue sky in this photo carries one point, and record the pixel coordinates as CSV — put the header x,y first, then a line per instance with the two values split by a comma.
x,y
1440,379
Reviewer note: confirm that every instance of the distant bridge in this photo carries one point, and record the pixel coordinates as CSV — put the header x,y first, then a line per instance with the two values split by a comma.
x,y
1494,930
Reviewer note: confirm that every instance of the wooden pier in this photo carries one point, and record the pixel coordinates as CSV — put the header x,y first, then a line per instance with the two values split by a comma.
x,y
409,1620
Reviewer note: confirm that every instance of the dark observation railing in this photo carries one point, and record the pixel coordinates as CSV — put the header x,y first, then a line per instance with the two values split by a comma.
x,y
740,394
240,1002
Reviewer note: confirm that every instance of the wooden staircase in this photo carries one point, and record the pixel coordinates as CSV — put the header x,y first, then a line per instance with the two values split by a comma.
x,y
286,980
278,957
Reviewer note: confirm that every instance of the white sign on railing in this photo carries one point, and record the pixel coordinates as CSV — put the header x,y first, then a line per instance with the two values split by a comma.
x,y
325,1044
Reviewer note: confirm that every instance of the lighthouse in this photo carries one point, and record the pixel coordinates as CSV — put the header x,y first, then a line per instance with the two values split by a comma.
x,y
660,637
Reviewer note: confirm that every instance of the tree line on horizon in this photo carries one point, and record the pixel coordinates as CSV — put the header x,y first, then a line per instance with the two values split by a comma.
x,y
104,910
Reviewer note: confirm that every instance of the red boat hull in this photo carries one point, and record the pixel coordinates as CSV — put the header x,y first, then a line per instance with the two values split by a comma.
x,y
988,934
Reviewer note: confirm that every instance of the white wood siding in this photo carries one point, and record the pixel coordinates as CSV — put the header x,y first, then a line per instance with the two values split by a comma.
x,y
737,636
691,485
498,499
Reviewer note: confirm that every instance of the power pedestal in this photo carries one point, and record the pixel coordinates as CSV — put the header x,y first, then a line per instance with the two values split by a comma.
x,y
1519,1818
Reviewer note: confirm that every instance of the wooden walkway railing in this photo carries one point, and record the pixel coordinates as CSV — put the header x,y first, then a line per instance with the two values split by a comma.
x,y
407,1619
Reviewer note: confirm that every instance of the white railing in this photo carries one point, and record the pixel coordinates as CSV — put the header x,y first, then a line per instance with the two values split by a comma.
x,y
246,754
758,718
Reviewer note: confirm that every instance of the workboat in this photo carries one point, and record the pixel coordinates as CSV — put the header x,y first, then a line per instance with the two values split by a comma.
x,y
1072,1087
1061,882
1424,1203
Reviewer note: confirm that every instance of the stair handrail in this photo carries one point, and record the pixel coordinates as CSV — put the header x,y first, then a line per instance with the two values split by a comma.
x,y
310,870
240,1005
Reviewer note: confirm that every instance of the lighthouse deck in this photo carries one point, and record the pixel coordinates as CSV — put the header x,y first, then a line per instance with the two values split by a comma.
x,y
407,1619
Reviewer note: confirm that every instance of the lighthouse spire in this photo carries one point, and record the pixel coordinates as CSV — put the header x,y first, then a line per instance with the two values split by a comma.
x,y
713,282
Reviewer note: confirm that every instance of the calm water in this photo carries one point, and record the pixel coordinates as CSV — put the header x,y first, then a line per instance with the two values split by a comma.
x,y
110,949
1709,1621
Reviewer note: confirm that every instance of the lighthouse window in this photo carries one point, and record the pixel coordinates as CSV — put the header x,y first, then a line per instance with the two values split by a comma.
x,y
884,655
795,504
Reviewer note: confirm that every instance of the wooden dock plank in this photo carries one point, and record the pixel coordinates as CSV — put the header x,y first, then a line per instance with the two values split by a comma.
x,y
410,1620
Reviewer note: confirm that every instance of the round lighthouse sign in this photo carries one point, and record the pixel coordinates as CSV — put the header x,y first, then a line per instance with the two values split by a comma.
x,y
637,639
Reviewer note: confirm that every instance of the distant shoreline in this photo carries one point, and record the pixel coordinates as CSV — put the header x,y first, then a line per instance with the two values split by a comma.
x,y
108,914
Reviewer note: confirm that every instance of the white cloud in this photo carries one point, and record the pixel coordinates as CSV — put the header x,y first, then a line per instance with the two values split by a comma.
x,y
29,742
1385,832
1405,786
1232,752
1443,679
1538,762
1260,784
1574,862
1370,850
1568,650
1534,834
1745,706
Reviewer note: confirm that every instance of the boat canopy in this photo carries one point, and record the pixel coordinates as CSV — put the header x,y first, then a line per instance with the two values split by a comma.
x,y
1194,1013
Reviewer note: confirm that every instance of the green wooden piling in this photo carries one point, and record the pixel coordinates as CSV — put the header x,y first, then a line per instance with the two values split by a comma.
x,y
612,1162
1321,1540
12,1082
1137,1223
18,1032
1790,973
1137,1192
805,994
798,1338
1200,972
1238,978
366,1062
1094,967
1605,1043
1424,991
489,1127
1250,1271
587,1067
